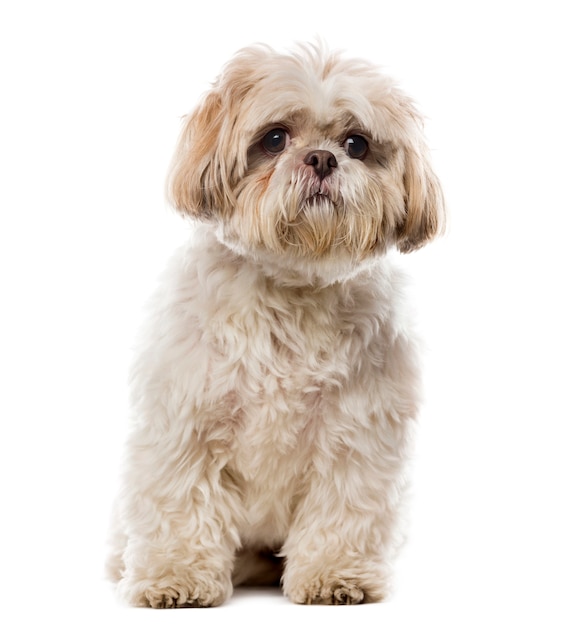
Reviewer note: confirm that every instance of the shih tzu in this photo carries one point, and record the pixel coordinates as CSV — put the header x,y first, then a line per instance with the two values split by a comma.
x,y
277,382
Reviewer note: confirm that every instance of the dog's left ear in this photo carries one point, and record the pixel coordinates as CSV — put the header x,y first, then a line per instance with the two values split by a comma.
x,y
424,201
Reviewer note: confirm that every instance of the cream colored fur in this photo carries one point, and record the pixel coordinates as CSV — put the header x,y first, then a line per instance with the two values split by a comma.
x,y
277,379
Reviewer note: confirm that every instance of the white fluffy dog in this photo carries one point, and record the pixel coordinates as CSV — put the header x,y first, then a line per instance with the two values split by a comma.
x,y
277,381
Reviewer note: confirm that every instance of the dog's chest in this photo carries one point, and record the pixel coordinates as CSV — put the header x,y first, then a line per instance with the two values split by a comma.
x,y
284,377
279,362
287,354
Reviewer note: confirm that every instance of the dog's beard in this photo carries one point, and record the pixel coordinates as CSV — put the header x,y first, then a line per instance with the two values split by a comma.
x,y
313,227
316,220
309,218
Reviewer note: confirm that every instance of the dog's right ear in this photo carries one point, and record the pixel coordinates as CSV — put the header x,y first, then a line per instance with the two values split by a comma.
x,y
194,185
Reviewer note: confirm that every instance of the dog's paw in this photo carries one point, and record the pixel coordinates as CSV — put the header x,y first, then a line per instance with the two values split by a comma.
x,y
333,582
347,594
167,598
171,594
330,592
178,596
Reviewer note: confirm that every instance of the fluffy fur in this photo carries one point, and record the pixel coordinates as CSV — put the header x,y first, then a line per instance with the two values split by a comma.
x,y
277,379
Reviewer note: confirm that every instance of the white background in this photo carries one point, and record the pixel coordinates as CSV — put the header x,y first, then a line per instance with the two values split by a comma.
x,y
92,95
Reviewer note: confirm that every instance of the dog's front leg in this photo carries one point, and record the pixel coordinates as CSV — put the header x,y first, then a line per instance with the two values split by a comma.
x,y
339,545
179,519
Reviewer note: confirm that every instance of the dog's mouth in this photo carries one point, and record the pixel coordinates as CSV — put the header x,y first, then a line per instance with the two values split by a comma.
x,y
316,206
309,197
319,194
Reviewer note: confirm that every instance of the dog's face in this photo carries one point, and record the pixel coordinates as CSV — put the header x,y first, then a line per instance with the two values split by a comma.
x,y
309,159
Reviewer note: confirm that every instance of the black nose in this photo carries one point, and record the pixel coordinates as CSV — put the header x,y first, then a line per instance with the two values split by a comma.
x,y
322,161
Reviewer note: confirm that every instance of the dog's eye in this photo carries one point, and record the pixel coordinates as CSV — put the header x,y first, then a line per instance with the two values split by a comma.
x,y
275,140
356,147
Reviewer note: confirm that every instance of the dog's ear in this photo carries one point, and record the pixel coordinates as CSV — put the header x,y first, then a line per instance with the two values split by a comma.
x,y
424,201
194,187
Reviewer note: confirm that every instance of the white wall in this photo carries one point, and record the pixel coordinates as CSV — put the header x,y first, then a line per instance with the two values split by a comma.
x,y
92,95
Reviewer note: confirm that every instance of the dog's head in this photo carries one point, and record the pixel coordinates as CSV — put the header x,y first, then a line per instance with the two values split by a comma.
x,y
307,158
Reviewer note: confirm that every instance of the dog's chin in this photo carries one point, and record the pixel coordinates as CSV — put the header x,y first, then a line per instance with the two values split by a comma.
x,y
313,230
316,242
315,208
319,202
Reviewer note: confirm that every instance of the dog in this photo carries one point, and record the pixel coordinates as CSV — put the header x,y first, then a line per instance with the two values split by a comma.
x,y
277,381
